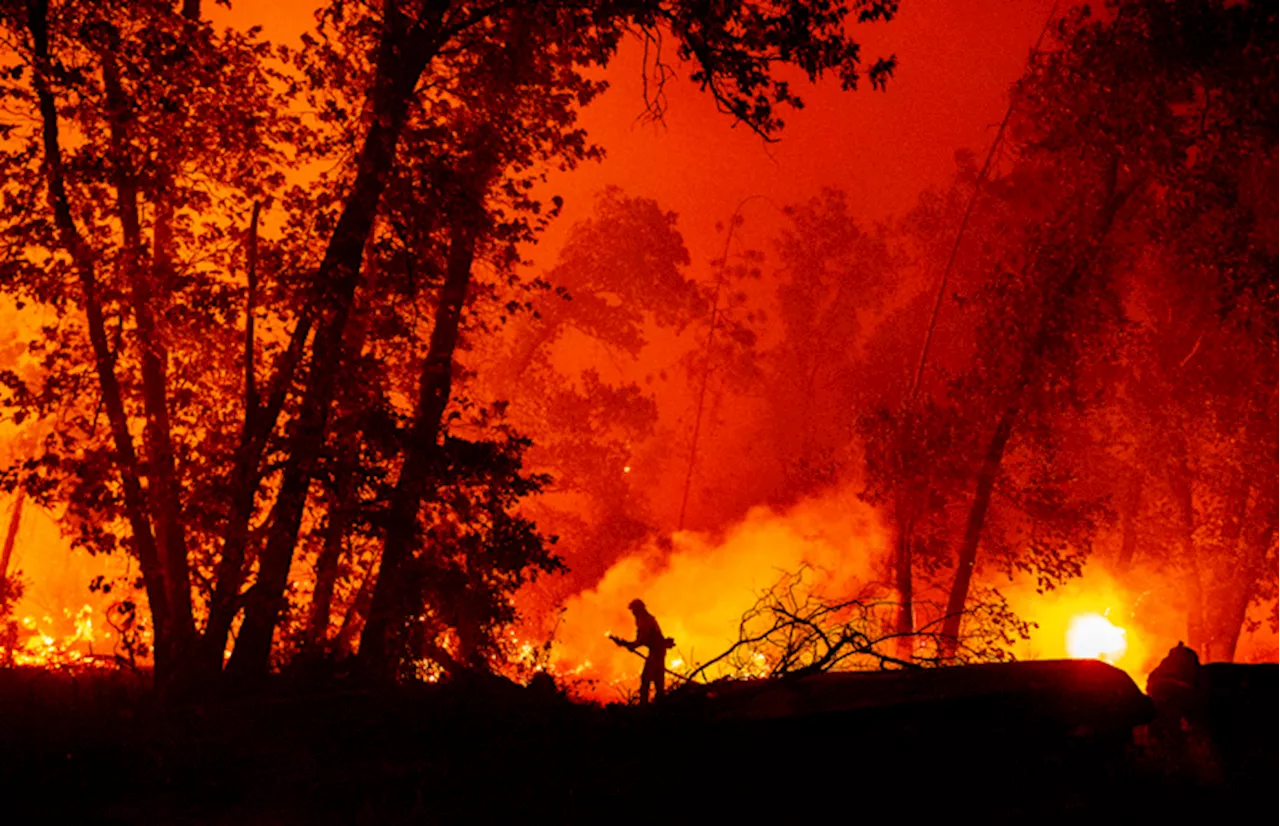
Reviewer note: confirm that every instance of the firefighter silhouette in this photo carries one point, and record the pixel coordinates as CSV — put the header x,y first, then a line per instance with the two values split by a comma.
x,y
649,635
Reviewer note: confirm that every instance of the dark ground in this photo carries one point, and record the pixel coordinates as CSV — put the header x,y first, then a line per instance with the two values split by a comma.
x,y
1006,745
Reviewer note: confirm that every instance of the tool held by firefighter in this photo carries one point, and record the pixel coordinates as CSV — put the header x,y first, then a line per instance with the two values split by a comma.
x,y
649,635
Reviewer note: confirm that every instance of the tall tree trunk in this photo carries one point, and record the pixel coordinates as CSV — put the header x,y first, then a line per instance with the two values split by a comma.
x,y
165,486
1129,510
10,539
1113,200
402,57
246,474
165,497
341,497
1221,594
83,257
1258,541
354,619
905,583
904,578
1193,587
434,387
341,493
967,559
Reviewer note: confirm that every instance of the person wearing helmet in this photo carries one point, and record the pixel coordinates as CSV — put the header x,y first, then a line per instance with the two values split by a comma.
x,y
649,635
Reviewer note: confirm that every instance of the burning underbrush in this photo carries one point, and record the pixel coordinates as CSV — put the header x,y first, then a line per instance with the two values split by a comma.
x,y
701,585
72,640
65,609
807,590
793,592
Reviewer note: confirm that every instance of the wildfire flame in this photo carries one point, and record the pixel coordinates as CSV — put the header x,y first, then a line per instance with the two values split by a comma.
x,y
44,647
1094,637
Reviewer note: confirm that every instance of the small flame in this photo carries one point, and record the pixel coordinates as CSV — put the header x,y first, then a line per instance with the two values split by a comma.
x,y
1094,637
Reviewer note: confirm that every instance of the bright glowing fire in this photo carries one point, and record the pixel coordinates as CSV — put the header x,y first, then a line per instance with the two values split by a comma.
x,y
1093,636
46,648
700,587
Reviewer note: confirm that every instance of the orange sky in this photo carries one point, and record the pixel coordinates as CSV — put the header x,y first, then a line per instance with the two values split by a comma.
x,y
956,61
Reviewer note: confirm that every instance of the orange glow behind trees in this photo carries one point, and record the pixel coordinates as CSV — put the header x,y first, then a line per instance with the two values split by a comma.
x,y
247,371
318,348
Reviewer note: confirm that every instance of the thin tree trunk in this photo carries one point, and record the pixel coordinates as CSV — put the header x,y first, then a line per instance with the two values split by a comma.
x,y
968,557
434,388
246,474
10,539
1129,520
904,579
1194,590
1220,596
1253,535
251,292
165,495
83,257
353,620
402,59
1256,545
340,501
1112,202
341,495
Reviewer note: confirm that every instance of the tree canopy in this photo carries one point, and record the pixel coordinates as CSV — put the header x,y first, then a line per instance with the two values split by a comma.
x,y
254,265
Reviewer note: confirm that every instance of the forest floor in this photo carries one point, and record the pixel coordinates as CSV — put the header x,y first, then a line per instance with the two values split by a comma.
x,y
99,748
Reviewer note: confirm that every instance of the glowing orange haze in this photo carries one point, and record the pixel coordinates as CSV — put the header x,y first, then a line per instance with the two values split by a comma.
x,y
957,58
700,590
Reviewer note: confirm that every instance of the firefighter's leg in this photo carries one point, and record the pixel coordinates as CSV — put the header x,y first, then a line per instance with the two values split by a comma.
x,y
653,674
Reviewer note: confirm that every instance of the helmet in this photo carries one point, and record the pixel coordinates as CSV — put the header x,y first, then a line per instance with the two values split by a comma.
x,y
636,605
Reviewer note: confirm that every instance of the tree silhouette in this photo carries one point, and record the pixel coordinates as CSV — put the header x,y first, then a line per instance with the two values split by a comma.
x,y
146,143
